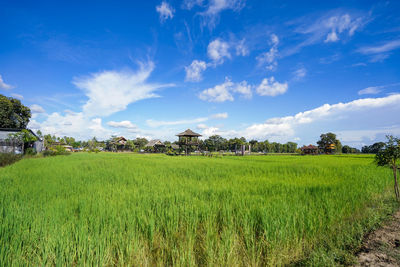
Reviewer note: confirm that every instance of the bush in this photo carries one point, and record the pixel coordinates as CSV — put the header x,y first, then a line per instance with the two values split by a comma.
x,y
8,158
30,151
55,151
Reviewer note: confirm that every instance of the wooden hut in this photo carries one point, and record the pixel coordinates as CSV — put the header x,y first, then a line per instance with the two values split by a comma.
x,y
188,140
156,145
309,150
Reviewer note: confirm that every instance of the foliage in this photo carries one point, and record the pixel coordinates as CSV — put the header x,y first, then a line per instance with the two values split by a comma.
x,y
349,150
13,114
139,210
8,158
328,139
374,148
55,151
390,156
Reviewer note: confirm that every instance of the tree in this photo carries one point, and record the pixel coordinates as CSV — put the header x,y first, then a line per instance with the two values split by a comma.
x,y
389,156
13,114
329,139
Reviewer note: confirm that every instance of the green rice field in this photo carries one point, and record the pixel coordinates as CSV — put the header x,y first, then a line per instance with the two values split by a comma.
x,y
155,210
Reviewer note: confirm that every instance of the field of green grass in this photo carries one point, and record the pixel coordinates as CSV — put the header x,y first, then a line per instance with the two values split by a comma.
x,y
130,209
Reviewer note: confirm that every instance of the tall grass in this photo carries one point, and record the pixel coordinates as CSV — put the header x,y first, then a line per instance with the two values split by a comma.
x,y
126,209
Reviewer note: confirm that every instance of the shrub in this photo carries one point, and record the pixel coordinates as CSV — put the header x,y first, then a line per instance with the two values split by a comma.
x,y
55,151
8,158
30,151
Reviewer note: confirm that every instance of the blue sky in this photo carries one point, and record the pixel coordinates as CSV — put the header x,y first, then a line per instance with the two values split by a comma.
x,y
276,70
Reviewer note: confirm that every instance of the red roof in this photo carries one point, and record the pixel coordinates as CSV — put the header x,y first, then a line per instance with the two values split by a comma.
x,y
309,147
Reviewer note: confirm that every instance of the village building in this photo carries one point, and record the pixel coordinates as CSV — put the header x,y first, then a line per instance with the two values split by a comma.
x,y
155,145
17,146
188,141
309,150
117,144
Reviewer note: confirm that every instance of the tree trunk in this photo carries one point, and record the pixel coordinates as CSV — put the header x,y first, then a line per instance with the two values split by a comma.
x,y
396,186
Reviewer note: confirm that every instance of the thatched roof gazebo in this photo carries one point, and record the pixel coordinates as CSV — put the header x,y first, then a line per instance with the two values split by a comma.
x,y
187,140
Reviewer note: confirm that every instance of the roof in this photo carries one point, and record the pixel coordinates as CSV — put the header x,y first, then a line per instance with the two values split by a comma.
x,y
5,131
188,132
117,139
155,142
309,147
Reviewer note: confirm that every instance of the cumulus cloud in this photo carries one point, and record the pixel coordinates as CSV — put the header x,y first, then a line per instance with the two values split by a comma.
x,y
71,124
113,91
122,124
223,92
165,11
244,89
268,59
218,50
108,92
37,109
326,117
3,85
270,87
194,71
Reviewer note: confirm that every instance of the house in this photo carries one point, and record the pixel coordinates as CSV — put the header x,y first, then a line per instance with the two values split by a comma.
x,y
309,150
117,144
17,146
155,145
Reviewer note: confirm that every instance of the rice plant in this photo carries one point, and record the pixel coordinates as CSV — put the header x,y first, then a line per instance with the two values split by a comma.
x,y
147,210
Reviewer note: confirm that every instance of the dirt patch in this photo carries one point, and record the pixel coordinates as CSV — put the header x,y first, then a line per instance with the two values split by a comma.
x,y
382,247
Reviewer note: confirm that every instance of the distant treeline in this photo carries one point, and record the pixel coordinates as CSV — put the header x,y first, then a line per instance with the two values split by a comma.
x,y
373,149
213,143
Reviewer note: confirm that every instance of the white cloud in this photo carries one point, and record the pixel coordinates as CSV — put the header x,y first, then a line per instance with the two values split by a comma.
x,y
244,89
383,48
113,91
218,93
241,48
201,126
3,85
327,118
37,109
211,14
71,124
223,92
373,90
189,4
18,96
270,87
219,116
194,71
108,92
330,27
300,73
218,50
332,37
268,58
165,11
122,124
155,123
